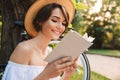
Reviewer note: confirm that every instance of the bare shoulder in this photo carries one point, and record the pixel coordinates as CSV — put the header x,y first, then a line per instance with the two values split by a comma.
x,y
22,53
23,47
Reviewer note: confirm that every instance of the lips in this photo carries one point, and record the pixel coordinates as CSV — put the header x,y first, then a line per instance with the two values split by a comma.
x,y
58,33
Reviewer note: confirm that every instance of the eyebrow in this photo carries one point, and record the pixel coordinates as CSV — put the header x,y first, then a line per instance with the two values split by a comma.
x,y
56,17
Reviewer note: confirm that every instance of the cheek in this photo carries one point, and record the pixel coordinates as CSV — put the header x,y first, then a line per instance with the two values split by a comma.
x,y
64,28
50,24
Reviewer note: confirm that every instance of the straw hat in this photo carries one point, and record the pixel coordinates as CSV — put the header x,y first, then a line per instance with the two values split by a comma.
x,y
33,10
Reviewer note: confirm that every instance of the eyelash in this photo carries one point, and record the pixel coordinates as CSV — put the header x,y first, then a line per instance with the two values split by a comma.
x,y
54,20
64,24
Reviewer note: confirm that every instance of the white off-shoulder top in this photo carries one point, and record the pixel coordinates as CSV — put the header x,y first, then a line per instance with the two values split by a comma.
x,y
15,71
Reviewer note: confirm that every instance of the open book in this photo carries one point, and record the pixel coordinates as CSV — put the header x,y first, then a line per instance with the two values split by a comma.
x,y
73,44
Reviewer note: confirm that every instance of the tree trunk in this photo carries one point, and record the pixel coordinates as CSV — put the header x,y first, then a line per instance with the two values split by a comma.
x,y
12,11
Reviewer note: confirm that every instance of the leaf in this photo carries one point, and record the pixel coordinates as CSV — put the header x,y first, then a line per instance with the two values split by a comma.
x,y
79,5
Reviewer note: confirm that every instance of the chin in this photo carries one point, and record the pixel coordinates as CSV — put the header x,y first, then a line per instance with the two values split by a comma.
x,y
55,38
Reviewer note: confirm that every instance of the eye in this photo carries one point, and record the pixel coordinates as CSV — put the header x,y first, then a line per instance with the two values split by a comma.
x,y
64,23
54,20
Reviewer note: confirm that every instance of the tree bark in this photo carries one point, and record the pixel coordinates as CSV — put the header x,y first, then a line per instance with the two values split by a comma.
x,y
12,10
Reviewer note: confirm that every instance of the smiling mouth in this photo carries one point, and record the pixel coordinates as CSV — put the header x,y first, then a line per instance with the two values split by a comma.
x,y
56,32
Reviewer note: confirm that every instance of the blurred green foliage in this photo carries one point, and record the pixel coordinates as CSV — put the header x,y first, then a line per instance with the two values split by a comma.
x,y
103,24
112,53
94,76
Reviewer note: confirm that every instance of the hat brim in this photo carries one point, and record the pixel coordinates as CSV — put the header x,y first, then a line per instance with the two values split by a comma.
x,y
33,10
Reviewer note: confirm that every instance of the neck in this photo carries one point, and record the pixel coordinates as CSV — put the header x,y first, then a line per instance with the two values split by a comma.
x,y
41,41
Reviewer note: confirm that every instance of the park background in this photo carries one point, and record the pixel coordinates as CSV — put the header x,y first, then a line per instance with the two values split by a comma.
x,y
99,18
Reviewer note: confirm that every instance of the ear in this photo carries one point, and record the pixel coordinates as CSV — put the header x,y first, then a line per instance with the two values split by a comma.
x,y
40,23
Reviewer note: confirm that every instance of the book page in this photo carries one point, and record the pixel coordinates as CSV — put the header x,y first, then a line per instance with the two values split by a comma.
x,y
73,44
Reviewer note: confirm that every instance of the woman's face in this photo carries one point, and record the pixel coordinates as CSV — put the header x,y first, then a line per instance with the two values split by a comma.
x,y
55,25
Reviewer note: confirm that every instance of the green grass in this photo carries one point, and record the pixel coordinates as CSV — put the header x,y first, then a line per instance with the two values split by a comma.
x,y
94,76
115,53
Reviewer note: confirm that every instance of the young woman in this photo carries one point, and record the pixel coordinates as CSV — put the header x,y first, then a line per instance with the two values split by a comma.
x,y
45,20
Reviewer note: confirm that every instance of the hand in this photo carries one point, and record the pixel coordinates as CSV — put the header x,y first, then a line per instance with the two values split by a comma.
x,y
70,70
57,68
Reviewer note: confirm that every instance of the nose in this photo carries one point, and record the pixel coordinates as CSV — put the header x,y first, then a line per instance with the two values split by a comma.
x,y
60,26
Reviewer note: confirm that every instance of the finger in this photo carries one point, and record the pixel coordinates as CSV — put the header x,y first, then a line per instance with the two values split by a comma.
x,y
65,65
63,60
66,69
75,59
72,68
75,62
75,65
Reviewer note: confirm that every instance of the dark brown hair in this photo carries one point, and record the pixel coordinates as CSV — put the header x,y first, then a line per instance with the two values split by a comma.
x,y
45,13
